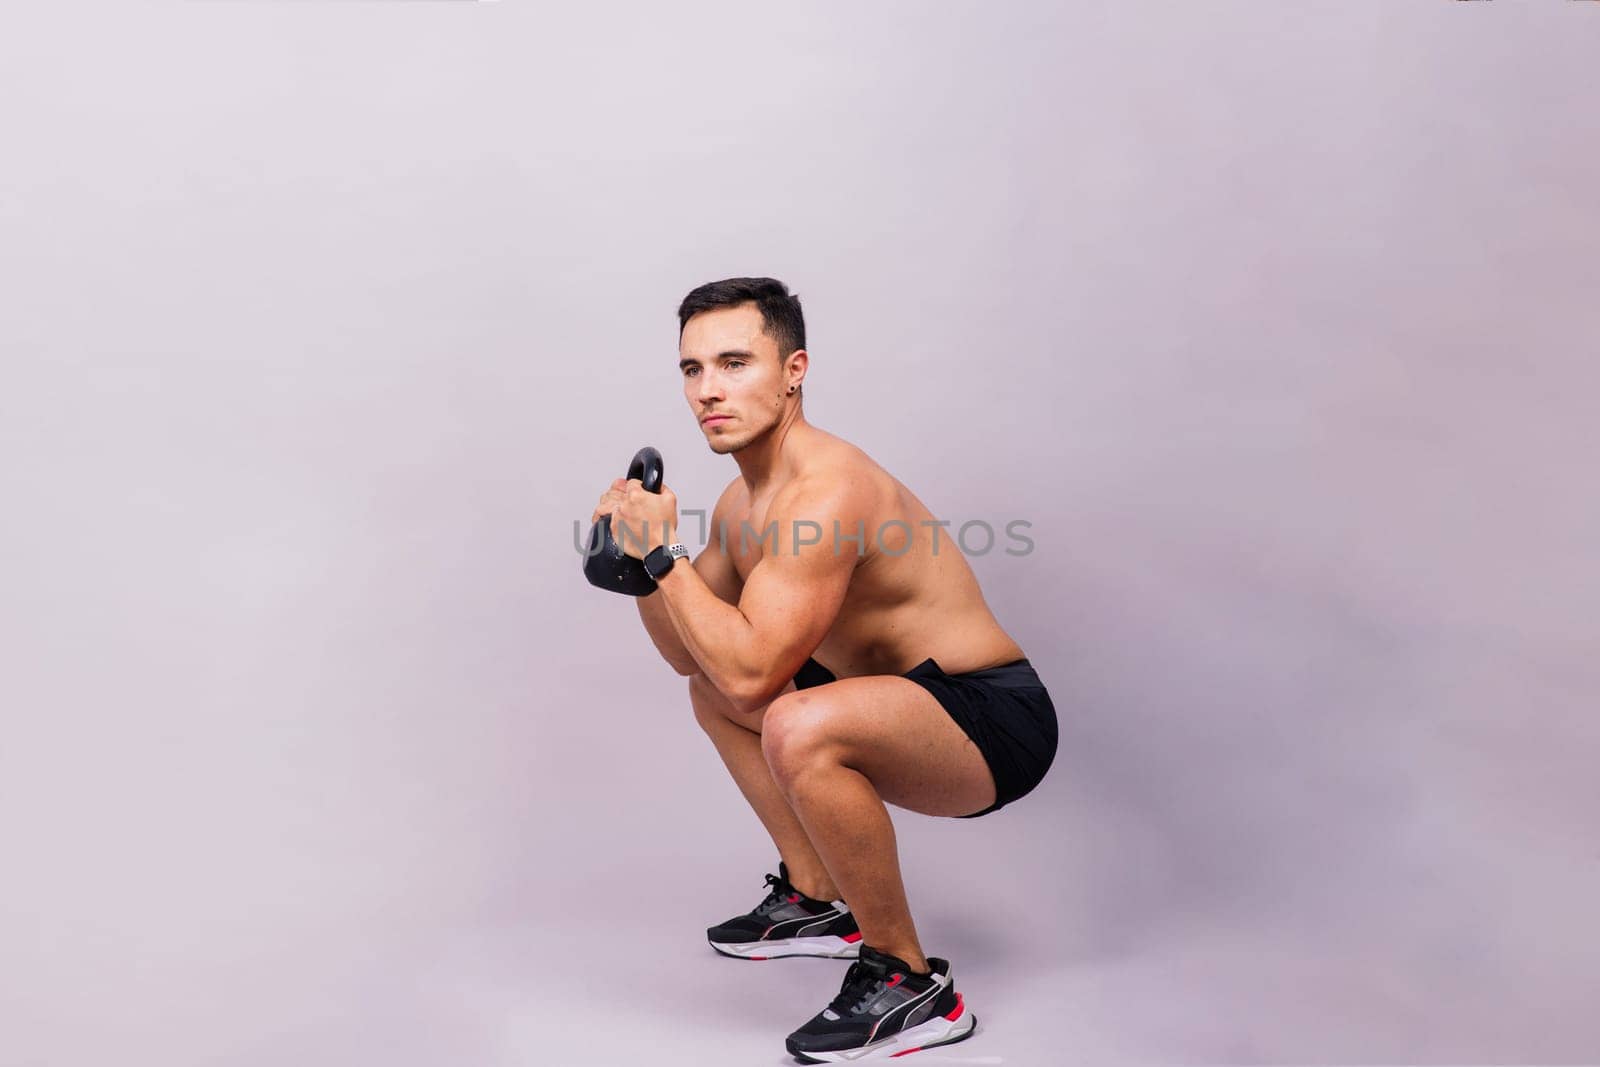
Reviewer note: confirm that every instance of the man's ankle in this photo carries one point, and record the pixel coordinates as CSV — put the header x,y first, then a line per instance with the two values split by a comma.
x,y
913,959
824,889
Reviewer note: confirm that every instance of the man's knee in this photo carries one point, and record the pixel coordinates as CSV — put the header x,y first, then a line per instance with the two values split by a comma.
x,y
796,733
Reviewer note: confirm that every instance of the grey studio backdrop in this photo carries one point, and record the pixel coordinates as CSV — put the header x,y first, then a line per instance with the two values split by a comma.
x,y
323,323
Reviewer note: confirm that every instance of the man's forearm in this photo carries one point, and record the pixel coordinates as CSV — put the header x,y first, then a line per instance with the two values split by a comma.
x,y
715,633
658,624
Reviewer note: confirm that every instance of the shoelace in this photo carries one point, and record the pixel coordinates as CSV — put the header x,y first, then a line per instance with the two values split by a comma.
x,y
779,894
860,981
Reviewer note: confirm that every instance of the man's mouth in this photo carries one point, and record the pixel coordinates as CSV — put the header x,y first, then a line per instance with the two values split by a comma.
x,y
712,420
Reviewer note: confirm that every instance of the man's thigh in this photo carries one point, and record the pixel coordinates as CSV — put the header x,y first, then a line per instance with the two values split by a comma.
x,y
892,731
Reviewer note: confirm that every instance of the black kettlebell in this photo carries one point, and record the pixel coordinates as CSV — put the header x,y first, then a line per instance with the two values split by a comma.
x,y
605,564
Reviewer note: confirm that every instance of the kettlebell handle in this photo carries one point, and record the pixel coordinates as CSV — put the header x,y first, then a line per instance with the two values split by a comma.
x,y
647,467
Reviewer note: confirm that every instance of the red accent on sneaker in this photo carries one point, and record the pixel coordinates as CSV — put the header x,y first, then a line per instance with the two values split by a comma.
x,y
852,938
794,898
763,958
896,980
905,1052
955,1012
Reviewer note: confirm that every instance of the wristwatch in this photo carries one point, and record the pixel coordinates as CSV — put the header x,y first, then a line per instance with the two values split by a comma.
x,y
659,560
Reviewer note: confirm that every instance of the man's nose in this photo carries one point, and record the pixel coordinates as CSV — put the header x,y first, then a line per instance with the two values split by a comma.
x,y
710,387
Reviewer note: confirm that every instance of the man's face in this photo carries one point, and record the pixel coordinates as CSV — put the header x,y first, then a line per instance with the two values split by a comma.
x,y
731,368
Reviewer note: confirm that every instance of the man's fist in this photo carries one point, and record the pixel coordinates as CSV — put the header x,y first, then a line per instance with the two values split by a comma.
x,y
640,520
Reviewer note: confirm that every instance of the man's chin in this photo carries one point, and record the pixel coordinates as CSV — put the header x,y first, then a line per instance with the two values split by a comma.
x,y
722,446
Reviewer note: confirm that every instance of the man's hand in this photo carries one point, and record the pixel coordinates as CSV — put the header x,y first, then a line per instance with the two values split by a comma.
x,y
609,500
640,520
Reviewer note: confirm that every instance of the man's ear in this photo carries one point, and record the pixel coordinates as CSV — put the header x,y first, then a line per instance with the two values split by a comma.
x,y
797,363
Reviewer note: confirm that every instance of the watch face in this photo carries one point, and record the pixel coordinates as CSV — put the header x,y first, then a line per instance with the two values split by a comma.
x,y
658,561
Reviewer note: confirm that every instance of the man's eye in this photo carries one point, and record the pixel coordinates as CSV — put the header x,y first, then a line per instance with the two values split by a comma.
x,y
689,372
735,363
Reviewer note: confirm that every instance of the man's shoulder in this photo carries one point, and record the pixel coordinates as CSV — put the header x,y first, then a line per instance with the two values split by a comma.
x,y
845,486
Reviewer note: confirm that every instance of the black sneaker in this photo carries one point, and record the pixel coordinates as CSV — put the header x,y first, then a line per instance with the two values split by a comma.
x,y
884,1010
788,923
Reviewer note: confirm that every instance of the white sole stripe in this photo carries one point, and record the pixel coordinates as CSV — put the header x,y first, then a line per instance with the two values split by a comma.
x,y
827,946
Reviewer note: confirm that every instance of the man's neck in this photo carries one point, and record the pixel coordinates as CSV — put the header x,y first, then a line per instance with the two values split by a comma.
x,y
762,464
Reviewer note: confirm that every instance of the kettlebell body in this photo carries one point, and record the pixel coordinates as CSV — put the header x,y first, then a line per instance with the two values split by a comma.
x,y
604,563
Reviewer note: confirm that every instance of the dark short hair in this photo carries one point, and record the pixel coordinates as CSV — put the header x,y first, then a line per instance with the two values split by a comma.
x,y
780,309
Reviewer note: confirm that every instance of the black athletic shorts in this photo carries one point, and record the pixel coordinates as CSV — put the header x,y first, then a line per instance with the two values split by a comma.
x,y
1005,710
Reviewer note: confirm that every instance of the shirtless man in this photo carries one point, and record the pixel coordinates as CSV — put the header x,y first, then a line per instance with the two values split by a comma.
x,y
840,662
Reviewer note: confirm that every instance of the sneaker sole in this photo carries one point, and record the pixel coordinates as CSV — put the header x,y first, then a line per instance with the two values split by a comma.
x,y
923,1036
830,947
